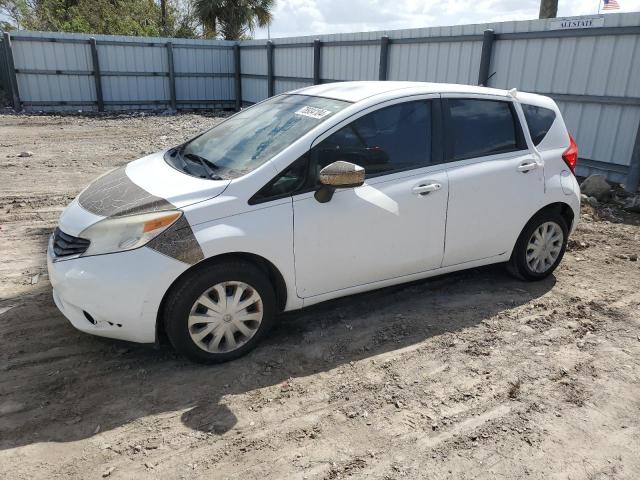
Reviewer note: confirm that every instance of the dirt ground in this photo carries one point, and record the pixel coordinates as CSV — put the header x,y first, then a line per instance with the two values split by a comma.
x,y
472,375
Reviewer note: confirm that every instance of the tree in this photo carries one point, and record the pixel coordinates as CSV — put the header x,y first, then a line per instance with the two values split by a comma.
x,y
233,19
186,24
207,12
548,8
113,17
163,15
15,11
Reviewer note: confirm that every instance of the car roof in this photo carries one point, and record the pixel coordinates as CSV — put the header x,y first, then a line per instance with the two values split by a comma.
x,y
358,91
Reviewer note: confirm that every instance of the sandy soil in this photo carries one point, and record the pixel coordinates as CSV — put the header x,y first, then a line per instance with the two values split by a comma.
x,y
470,375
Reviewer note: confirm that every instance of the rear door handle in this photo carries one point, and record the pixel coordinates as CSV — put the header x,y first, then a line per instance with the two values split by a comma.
x,y
424,189
527,167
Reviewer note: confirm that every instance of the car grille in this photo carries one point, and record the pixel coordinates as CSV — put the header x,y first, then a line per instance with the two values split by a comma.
x,y
65,245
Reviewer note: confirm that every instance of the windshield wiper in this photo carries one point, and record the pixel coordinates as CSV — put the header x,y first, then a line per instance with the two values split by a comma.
x,y
176,153
207,165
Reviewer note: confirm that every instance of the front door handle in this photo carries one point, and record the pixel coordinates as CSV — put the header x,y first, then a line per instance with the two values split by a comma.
x,y
527,167
424,189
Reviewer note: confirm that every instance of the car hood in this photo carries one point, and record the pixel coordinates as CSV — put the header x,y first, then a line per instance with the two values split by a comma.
x,y
142,186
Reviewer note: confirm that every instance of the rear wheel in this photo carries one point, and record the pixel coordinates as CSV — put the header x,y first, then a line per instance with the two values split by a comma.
x,y
219,312
540,247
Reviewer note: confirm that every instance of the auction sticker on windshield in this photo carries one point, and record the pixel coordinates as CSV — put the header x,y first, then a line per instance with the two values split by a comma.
x,y
313,112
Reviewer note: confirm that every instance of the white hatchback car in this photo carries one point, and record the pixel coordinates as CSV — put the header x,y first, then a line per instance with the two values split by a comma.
x,y
311,195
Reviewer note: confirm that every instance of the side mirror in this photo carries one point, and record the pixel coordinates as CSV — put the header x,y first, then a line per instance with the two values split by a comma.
x,y
338,174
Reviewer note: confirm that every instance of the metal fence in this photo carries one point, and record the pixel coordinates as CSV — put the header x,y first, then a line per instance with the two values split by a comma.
x,y
592,71
53,71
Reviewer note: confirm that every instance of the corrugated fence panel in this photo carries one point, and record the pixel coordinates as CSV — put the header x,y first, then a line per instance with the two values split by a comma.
x,y
48,56
350,63
254,89
615,141
449,62
133,70
200,88
253,61
117,62
293,62
582,66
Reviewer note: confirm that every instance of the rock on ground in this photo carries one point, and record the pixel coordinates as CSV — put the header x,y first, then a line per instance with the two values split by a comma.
x,y
596,186
633,204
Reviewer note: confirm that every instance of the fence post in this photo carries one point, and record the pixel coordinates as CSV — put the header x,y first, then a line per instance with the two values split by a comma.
x,y
172,76
11,71
4,78
384,57
317,45
237,78
270,78
633,177
96,74
485,58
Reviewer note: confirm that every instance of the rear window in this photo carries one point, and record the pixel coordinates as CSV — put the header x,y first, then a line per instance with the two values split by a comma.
x,y
539,121
481,127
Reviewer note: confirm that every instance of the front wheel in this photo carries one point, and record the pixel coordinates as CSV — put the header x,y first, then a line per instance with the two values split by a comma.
x,y
540,247
219,312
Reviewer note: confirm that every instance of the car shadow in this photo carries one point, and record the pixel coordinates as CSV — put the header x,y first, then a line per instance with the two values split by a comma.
x,y
59,385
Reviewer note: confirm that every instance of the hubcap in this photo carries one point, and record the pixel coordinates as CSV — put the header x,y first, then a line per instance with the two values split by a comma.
x,y
225,317
544,247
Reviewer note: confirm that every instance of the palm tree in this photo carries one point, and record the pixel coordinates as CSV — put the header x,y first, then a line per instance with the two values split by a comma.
x,y
208,11
233,18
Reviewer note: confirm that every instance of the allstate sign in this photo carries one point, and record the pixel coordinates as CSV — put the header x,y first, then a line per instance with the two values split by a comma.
x,y
572,23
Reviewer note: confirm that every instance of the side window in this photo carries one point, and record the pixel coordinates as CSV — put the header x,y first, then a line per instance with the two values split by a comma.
x,y
391,139
478,128
285,183
539,121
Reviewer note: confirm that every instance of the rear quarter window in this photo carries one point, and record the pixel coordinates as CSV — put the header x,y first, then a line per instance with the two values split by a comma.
x,y
539,121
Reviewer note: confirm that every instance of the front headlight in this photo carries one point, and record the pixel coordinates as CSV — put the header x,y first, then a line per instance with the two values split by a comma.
x,y
118,234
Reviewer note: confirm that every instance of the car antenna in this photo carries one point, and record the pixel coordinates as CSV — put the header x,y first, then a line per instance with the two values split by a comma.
x,y
484,84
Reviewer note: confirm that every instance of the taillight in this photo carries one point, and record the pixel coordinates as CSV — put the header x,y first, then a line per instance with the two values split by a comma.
x,y
570,155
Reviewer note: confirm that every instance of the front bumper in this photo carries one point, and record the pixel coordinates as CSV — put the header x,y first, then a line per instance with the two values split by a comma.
x,y
115,295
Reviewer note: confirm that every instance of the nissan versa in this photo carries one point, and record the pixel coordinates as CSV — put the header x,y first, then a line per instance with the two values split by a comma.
x,y
311,195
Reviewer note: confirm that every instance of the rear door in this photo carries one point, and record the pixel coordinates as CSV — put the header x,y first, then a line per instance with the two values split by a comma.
x,y
391,226
495,182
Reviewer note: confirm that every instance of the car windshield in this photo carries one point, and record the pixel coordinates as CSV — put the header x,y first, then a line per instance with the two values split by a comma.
x,y
253,136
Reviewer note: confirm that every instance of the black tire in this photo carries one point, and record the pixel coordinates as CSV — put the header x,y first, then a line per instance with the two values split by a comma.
x,y
187,290
517,264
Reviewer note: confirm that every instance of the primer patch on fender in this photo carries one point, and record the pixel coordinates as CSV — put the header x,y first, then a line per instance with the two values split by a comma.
x,y
179,242
115,195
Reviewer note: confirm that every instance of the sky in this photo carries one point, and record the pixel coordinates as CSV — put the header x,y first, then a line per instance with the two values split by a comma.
x,y
314,17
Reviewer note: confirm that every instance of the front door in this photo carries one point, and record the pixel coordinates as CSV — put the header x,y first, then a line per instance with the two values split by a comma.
x,y
391,226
